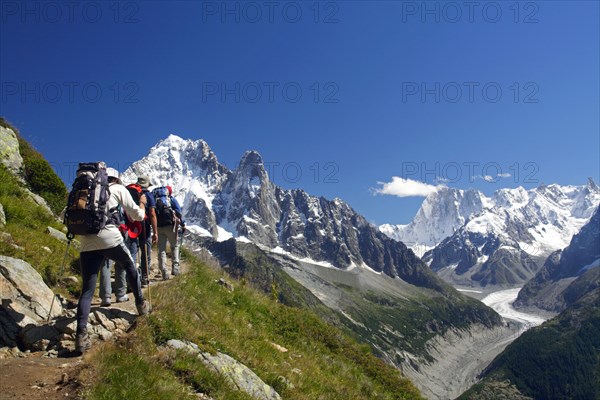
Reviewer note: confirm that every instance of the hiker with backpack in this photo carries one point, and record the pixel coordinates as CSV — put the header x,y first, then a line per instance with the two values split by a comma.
x,y
149,234
169,220
130,231
90,213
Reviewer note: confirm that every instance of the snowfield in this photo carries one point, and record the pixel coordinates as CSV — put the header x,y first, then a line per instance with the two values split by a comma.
x,y
501,302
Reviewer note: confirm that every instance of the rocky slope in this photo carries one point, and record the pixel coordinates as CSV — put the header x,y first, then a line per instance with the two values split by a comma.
x,y
567,274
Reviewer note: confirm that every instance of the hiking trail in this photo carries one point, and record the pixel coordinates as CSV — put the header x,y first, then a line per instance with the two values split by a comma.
x,y
42,375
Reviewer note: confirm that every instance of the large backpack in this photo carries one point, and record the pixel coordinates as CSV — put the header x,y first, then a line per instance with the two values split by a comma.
x,y
165,216
87,211
134,228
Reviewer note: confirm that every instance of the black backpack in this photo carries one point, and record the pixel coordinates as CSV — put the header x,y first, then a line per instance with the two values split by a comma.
x,y
165,216
87,211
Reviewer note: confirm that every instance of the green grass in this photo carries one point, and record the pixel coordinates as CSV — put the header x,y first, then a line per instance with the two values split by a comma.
x,y
130,372
322,361
38,173
387,322
27,222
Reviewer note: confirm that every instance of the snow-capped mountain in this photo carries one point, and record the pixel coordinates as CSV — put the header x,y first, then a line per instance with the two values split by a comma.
x,y
502,239
567,274
440,215
245,204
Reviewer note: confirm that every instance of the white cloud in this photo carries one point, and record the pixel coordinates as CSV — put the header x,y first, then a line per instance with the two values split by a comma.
x,y
405,188
490,178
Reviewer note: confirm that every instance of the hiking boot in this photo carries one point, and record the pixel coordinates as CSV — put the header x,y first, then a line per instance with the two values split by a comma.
x,y
82,342
143,308
165,275
145,281
105,302
122,299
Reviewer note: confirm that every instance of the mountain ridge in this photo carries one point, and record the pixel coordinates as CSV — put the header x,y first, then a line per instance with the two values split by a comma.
x,y
498,240
245,204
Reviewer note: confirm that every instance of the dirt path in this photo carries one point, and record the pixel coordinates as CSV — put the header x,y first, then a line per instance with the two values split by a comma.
x,y
40,378
35,377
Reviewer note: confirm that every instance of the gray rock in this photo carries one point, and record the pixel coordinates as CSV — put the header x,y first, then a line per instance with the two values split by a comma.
x,y
2,216
70,280
233,371
6,237
100,333
121,319
9,150
39,200
56,234
105,321
25,297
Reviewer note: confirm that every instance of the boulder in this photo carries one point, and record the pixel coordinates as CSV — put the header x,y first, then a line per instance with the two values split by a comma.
x,y
39,200
9,150
26,299
240,376
55,233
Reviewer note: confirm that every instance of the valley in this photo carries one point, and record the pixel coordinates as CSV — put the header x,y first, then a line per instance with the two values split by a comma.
x,y
461,356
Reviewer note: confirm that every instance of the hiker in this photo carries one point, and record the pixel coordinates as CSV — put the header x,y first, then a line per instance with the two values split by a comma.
x,y
169,219
130,231
105,198
149,233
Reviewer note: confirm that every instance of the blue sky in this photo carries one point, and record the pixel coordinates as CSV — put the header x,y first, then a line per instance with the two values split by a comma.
x,y
336,96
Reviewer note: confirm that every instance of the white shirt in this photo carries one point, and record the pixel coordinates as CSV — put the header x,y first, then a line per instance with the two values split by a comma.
x,y
110,236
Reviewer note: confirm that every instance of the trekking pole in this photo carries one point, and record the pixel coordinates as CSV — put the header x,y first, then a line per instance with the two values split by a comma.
x,y
70,237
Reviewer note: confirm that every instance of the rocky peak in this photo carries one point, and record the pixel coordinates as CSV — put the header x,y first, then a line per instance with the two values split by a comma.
x,y
591,185
440,215
251,166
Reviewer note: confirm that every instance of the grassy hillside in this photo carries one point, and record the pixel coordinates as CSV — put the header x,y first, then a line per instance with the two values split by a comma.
x,y
322,361
38,173
558,360
392,319
26,223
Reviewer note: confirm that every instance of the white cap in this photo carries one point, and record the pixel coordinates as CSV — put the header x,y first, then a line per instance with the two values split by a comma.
x,y
112,173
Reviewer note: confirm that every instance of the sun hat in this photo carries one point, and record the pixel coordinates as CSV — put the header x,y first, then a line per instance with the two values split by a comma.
x,y
143,181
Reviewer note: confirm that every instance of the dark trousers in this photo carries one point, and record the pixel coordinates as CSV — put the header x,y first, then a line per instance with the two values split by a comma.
x,y
90,263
